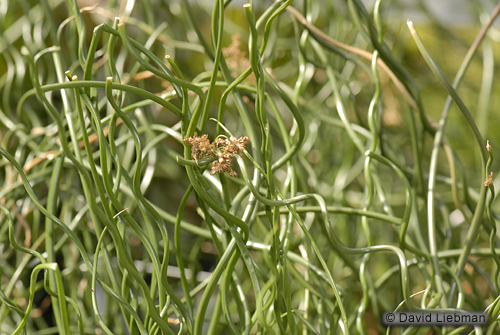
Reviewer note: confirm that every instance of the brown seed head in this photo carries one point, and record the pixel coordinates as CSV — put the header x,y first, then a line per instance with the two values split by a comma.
x,y
489,180
222,148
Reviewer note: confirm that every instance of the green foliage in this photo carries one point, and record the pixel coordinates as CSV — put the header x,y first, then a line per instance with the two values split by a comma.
x,y
338,208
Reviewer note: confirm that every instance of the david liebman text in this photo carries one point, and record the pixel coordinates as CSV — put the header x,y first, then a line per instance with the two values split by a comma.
x,y
434,318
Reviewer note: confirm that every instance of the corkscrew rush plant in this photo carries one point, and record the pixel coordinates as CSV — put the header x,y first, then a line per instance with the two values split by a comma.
x,y
268,168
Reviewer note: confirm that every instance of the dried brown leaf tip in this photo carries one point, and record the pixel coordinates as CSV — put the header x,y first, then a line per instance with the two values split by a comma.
x,y
222,148
489,180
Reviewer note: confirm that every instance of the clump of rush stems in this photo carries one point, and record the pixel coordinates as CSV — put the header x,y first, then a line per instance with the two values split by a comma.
x,y
223,148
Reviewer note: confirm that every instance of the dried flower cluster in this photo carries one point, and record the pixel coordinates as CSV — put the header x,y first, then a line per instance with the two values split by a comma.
x,y
222,148
489,180
236,59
